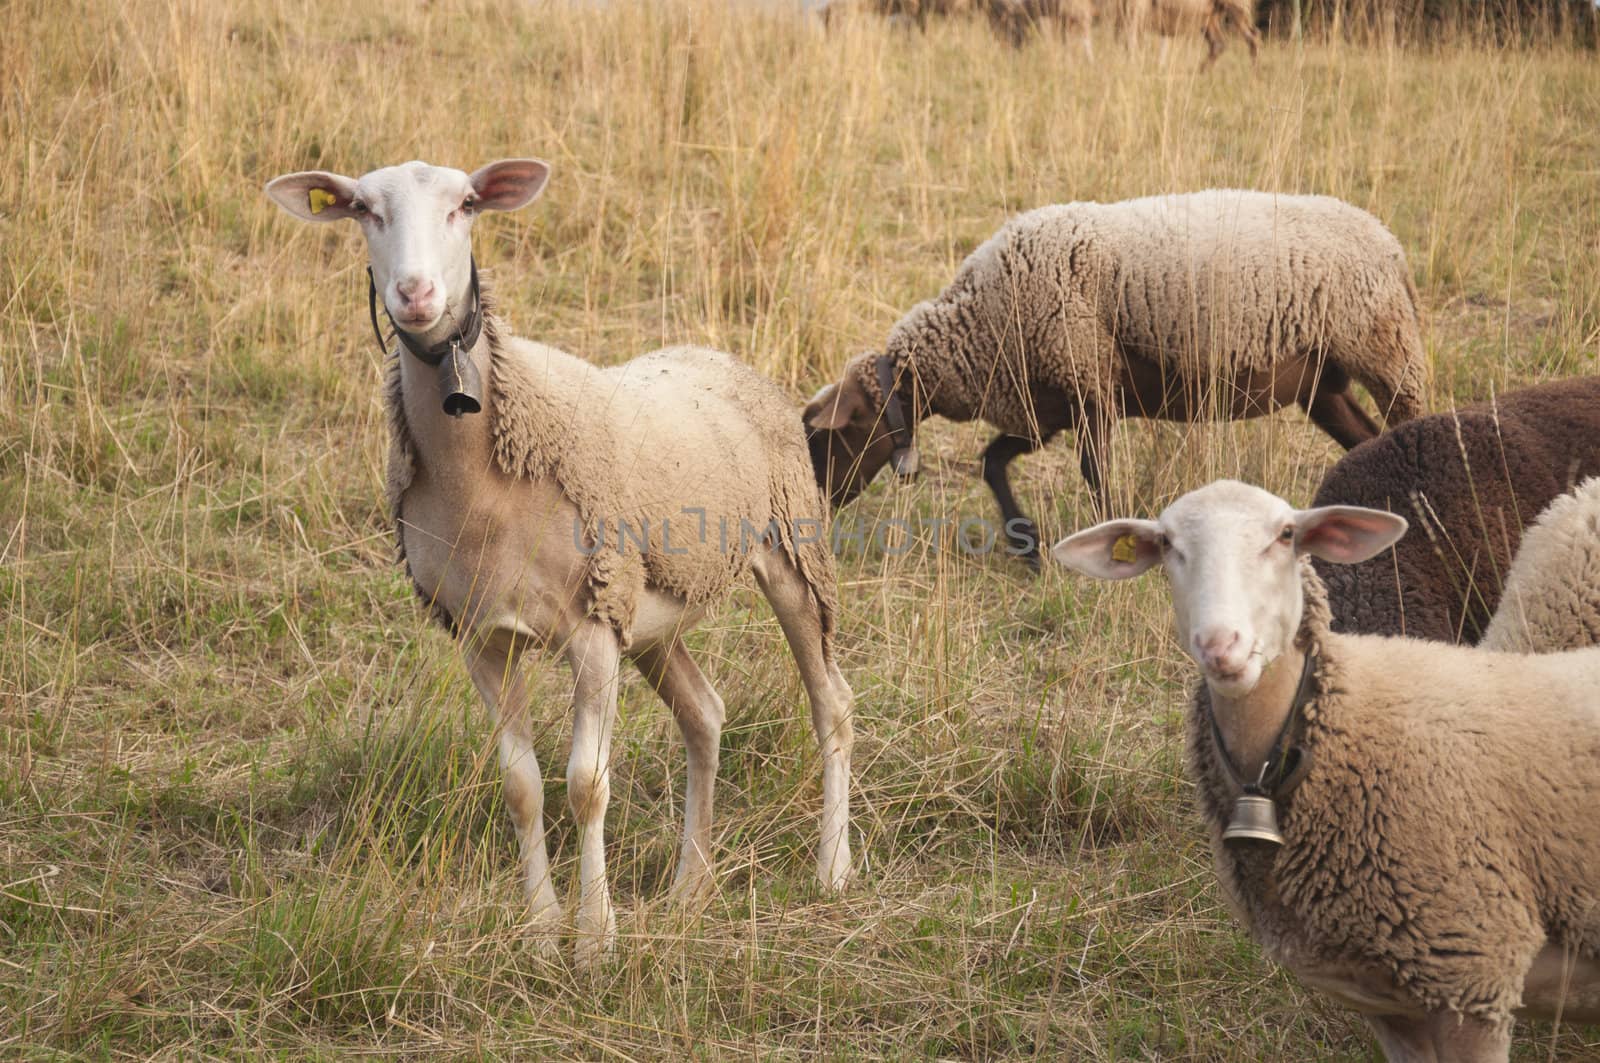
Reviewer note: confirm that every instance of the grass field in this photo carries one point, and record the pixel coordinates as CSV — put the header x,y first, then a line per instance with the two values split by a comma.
x,y
249,803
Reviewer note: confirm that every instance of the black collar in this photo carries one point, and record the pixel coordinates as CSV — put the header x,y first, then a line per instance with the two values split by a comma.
x,y
1286,763
894,410
463,338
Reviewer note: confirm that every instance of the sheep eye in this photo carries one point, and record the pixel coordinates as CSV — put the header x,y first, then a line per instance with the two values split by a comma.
x,y
1287,535
359,207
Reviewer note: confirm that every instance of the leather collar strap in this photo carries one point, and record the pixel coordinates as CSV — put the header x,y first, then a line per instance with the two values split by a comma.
x,y
893,410
464,337
1286,764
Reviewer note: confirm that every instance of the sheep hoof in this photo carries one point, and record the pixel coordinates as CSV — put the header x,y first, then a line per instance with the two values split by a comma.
x,y
543,933
693,887
596,943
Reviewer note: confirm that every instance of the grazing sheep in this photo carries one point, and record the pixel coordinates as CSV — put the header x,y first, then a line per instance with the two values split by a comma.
x,y
1223,304
1469,482
1013,20
1436,863
592,513
834,12
1552,594
1172,18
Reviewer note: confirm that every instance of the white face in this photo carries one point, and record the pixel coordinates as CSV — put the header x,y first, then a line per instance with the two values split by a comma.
x,y
418,223
1228,550
417,220
1231,554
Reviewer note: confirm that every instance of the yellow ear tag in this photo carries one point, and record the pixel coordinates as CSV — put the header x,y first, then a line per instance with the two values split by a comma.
x,y
1125,549
320,199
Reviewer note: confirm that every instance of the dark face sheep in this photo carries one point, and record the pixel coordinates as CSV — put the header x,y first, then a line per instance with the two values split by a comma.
x,y
849,431
1469,482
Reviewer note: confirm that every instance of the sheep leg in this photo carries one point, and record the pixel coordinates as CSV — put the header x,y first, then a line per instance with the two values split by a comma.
x,y
1252,38
700,714
495,668
1021,532
1215,42
830,698
594,657
1094,431
1332,409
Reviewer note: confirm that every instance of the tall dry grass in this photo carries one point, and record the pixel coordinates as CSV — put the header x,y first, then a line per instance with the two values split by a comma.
x,y
248,802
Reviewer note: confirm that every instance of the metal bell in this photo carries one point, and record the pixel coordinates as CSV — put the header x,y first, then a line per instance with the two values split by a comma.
x,y
458,379
1255,819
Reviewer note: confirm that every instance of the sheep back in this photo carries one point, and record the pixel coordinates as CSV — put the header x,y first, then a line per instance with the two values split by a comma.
x,y
1552,593
687,447
1209,285
1468,481
1445,829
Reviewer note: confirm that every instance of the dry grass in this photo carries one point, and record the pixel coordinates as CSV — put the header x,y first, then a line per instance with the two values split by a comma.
x,y
247,800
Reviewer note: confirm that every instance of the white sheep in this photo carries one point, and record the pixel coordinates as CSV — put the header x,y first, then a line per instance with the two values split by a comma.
x,y
592,513
1438,864
1551,599
1220,304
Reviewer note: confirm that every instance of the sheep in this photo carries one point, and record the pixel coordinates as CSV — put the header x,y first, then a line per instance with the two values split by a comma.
x,y
592,513
1222,303
1434,858
1551,600
1469,481
1171,18
835,12
1012,20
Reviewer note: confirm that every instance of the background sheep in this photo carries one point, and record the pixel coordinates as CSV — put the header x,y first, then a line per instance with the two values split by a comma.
x,y
1212,19
1439,849
1469,482
1071,20
915,11
1220,304
598,513
1552,593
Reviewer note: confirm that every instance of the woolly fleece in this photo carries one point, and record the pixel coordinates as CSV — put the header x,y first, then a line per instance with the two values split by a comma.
x,y
1469,482
1446,826
1552,593
1208,284
650,443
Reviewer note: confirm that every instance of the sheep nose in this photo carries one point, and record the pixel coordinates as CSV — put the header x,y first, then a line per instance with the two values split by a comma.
x,y
1220,649
417,292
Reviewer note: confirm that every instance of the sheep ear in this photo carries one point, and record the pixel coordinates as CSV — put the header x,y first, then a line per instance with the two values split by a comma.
x,y
832,408
1346,535
509,183
1117,549
314,195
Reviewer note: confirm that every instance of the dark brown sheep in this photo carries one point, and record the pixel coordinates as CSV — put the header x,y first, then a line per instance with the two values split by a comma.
x,y
1469,482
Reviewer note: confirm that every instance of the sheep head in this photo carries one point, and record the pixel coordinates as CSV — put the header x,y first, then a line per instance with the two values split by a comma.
x,y
1231,554
417,220
848,432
